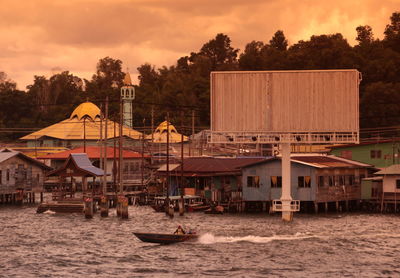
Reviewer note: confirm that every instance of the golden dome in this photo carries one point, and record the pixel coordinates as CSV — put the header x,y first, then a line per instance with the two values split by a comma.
x,y
86,109
162,128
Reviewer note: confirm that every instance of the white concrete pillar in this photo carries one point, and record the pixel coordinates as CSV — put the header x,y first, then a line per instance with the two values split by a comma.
x,y
286,198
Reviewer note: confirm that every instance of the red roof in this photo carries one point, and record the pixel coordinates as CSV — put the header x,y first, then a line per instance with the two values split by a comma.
x,y
93,152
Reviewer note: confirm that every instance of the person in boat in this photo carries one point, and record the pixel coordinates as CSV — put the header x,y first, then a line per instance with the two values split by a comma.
x,y
179,231
191,232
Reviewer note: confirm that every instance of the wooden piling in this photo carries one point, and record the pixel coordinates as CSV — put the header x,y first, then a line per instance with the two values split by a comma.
x,y
119,205
88,208
315,207
104,206
124,208
181,207
326,207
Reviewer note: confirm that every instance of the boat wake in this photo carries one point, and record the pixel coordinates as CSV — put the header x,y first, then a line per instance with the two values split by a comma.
x,y
211,239
49,212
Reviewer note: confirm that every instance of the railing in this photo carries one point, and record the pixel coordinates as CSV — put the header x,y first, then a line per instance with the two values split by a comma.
x,y
277,205
338,193
226,137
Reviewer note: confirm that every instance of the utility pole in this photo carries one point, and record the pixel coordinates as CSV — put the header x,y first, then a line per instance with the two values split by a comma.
x,y
84,134
142,164
193,128
121,121
105,147
104,199
182,206
167,209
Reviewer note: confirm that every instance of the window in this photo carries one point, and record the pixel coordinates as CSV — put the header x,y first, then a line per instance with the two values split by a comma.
x,y
376,154
397,184
351,180
8,175
321,181
126,168
331,181
304,181
253,181
1,177
276,181
341,180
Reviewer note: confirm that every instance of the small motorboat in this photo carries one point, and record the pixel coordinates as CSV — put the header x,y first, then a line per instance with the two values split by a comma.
x,y
165,238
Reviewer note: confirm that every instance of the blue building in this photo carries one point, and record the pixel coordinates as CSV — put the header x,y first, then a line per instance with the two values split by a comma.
x,y
315,179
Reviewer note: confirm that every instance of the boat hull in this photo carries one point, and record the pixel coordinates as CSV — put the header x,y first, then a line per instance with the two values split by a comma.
x,y
164,238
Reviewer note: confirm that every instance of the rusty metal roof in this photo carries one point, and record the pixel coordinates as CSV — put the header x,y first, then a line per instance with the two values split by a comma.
x,y
212,165
322,161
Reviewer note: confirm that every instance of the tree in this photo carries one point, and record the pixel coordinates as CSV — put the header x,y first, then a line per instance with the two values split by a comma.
x,y
364,35
40,92
379,105
251,58
5,83
220,52
392,32
279,41
321,52
108,73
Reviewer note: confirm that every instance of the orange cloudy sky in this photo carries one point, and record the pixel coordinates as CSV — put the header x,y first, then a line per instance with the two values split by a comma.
x,y
40,37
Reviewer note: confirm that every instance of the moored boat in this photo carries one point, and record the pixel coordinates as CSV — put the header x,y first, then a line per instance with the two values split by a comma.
x,y
165,238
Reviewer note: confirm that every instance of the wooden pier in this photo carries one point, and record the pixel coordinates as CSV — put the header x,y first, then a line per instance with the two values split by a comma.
x,y
19,197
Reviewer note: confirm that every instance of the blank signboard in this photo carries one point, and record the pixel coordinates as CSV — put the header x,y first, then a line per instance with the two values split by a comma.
x,y
285,101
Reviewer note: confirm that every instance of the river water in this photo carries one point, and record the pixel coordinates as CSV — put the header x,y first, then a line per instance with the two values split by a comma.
x,y
231,245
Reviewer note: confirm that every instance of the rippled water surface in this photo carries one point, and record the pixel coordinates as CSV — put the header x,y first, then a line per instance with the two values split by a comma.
x,y
242,245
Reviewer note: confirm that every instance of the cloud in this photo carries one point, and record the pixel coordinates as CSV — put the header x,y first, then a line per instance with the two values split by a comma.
x,y
40,35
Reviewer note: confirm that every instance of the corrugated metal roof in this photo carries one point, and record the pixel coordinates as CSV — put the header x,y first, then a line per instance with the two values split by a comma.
x,y
93,152
171,167
216,164
391,170
321,161
6,155
82,161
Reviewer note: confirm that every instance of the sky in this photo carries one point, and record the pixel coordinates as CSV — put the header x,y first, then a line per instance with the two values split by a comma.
x,y
43,37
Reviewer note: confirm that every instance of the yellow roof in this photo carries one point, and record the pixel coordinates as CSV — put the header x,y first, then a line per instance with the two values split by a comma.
x,y
86,109
160,135
85,120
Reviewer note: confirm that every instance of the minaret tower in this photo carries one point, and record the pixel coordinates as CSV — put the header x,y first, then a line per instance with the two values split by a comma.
x,y
127,96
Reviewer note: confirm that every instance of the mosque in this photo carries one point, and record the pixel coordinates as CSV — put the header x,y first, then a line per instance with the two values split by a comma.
x,y
82,127
160,134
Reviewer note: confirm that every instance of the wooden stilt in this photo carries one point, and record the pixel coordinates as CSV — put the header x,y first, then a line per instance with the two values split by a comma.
x,y
124,208
41,197
104,206
315,207
88,208
337,206
326,207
